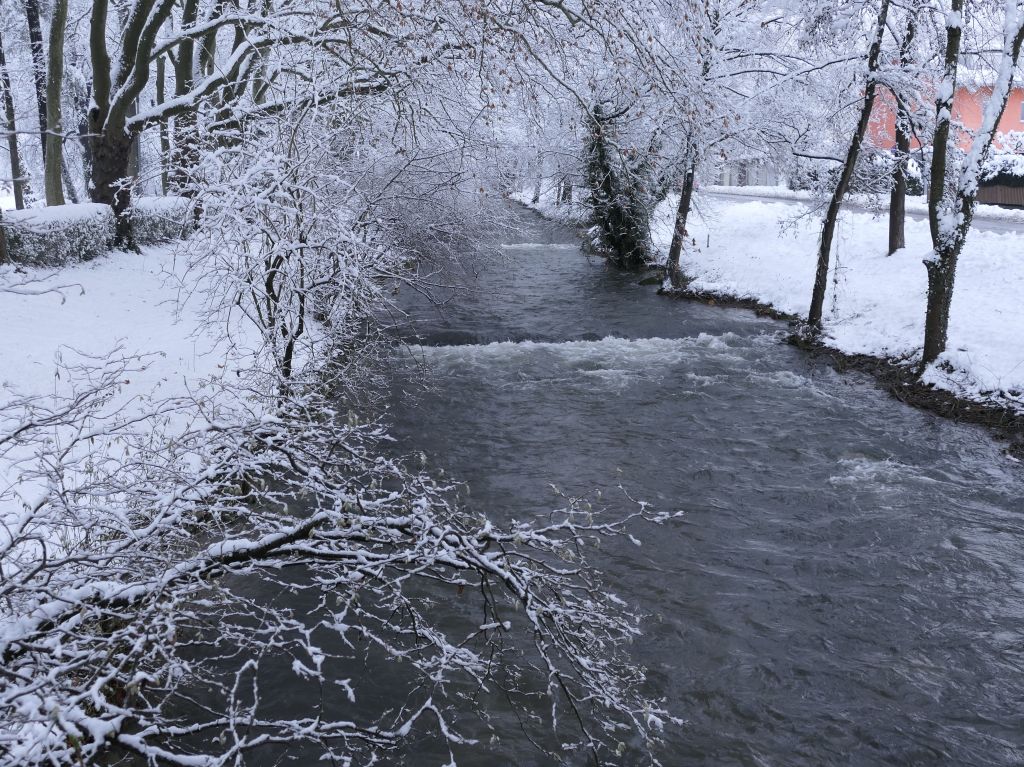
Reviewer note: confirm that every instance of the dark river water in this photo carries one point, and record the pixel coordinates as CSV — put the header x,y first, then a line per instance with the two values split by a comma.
x,y
847,583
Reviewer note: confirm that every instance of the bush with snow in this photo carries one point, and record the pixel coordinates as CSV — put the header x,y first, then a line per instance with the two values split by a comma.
x,y
161,219
67,234
1004,166
60,235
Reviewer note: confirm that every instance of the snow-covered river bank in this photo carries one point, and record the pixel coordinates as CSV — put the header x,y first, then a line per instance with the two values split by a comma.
x,y
875,304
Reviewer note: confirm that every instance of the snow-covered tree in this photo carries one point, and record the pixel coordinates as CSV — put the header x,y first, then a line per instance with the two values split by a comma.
x,y
953,192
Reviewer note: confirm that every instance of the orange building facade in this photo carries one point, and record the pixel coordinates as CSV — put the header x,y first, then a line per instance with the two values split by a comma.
x,y
968,108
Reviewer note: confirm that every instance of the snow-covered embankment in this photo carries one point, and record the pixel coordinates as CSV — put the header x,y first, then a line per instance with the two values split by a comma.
x,y
876,303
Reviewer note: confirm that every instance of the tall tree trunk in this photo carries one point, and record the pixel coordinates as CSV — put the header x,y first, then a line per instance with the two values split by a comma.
x,y
54,156
11,128
898,197
941,266
186,148
828,229
706,51
165,140
184,154
948,242
566,191
111,154
673,266
69,183
35,36
4,255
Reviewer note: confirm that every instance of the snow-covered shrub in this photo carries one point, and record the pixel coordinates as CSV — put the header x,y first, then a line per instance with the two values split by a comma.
x,y
160,219
916,182
1005,164
807,175
622,192
60,235
875,169
873,175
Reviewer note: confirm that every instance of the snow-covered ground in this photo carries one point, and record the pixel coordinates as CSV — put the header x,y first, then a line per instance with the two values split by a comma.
x,y
126,300
915,205
876,303
122,306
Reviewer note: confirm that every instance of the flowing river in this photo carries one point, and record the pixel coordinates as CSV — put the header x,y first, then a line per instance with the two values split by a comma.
x,y
847,584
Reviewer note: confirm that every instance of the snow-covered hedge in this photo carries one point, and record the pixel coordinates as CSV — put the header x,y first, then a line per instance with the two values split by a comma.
x,y
58,235
159,219
1003,168
873,174
71,233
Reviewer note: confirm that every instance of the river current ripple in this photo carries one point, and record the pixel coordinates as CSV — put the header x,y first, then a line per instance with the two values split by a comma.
x,y
847,584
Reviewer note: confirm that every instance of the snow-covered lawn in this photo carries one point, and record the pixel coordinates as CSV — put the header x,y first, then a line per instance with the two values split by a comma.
x,y
127,300
88,316
876,303
915,205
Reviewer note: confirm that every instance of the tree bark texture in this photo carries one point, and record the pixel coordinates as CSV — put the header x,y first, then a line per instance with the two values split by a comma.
x,y
111,153
10,126
165,139
898,197
54,155
35,37
828,229
674,268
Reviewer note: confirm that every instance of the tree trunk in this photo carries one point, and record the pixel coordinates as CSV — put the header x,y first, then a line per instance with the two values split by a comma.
x,y
165,140
111,155
898,197
186,148
941,275
948,242
828,229
185,154
35,36
673,266
54,155
69,183
566,192
135,155
941,265
12,133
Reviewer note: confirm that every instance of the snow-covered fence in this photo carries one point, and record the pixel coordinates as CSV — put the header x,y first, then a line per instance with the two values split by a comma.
x,y
58,235
54,236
